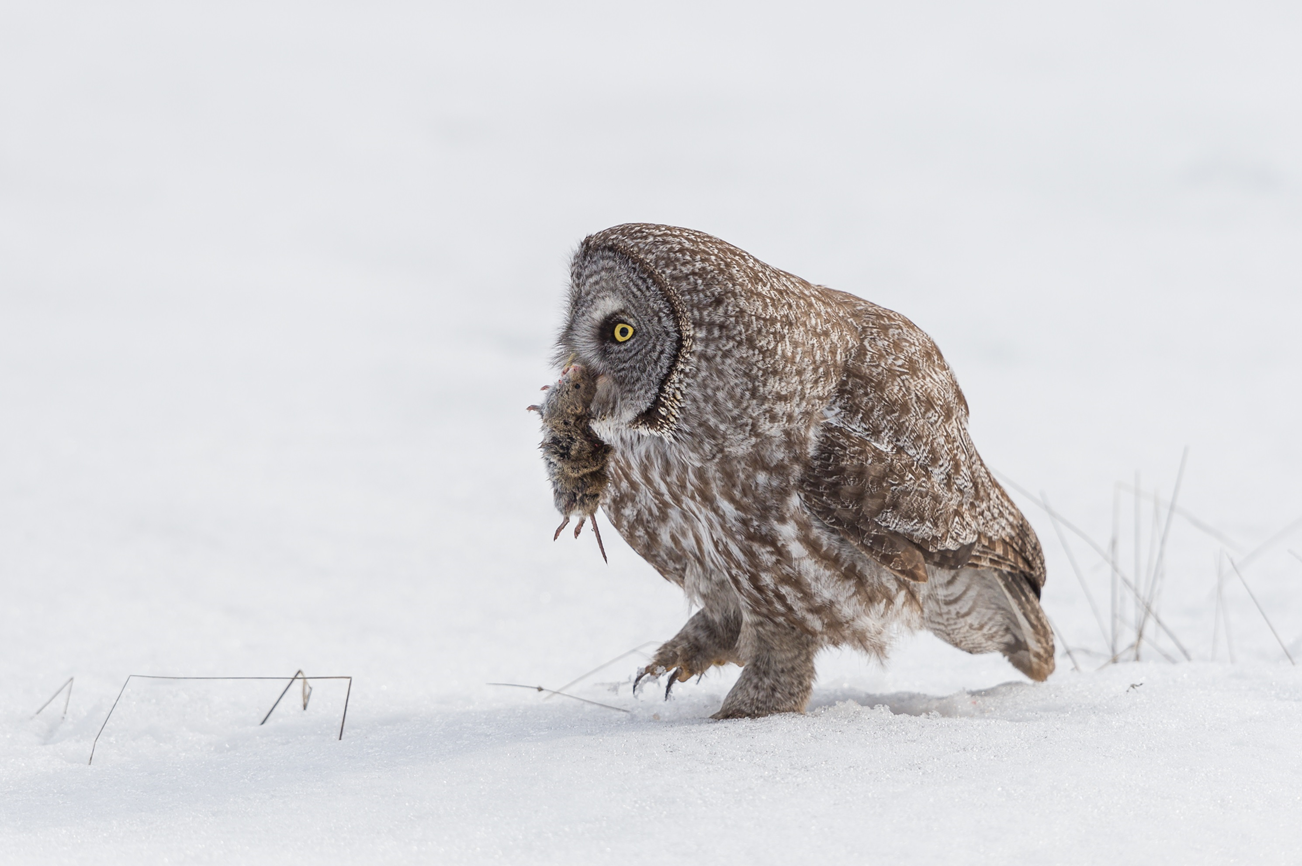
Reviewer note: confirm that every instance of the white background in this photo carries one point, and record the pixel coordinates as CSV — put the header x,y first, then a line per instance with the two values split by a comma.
x,y
277,282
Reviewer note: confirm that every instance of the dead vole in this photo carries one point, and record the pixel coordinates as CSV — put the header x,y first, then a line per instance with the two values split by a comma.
x,y
575,457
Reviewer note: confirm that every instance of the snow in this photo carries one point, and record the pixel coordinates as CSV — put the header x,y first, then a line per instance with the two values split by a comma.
x,y
277,282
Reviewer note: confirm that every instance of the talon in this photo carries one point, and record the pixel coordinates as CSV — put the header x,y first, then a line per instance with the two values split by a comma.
x,y
564,523
537,409
673,678
652,670
579,528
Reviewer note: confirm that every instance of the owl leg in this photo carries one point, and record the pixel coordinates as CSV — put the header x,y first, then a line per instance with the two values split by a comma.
x,y
778,676
705,641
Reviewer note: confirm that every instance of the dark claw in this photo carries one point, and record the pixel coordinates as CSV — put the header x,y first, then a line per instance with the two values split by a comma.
x,y
640,674
673,678
564,523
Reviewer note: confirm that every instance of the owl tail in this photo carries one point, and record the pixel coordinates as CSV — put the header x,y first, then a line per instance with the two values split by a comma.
x,y
981,610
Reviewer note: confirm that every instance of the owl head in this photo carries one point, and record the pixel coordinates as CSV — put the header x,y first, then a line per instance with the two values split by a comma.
x,y
628,326
696,341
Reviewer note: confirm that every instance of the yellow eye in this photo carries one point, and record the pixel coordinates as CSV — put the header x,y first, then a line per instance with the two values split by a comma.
x,y
623,332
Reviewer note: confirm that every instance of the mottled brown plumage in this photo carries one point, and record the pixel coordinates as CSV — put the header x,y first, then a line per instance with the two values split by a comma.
x,y
796,459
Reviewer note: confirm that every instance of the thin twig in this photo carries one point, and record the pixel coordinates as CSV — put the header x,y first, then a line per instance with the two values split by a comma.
x,y
1216,612
1114,594
1151,578
1152,642
1262,610
1225,620
66,685
1076,568
106,718
131,677
1139,537
1117,655
1195,522
1156,577
307,693
562,694
1150,573
343,717
1092,653
1104,556
1170,515
1270,542
577,680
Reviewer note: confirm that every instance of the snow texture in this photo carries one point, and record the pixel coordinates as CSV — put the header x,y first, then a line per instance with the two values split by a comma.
x,y
277,282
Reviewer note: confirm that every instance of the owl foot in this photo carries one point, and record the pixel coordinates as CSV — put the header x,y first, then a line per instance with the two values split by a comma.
x,y
704,642
642,673
675,676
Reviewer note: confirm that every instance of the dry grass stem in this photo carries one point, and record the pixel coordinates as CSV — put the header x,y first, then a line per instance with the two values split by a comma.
x,y
1103,629
1201,525
1139,535
1262,611
1271,542
623,655
343,718
307,693
1139,599
1156,569
67,684
1225,616
562,694
1113,588
1117,656
1216,611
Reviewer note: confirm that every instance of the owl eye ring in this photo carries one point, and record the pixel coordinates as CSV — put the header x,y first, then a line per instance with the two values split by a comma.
x,y
623,332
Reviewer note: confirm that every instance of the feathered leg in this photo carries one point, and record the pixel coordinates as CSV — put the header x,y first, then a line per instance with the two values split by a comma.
x,y
778,675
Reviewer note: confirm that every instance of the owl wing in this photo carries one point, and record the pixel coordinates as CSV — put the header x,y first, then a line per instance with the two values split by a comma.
x,y
893,470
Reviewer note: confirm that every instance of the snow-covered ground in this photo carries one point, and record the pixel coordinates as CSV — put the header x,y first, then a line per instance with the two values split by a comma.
x,y
277,281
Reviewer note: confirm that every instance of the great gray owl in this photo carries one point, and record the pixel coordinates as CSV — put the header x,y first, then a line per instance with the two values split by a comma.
x,y
795,458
